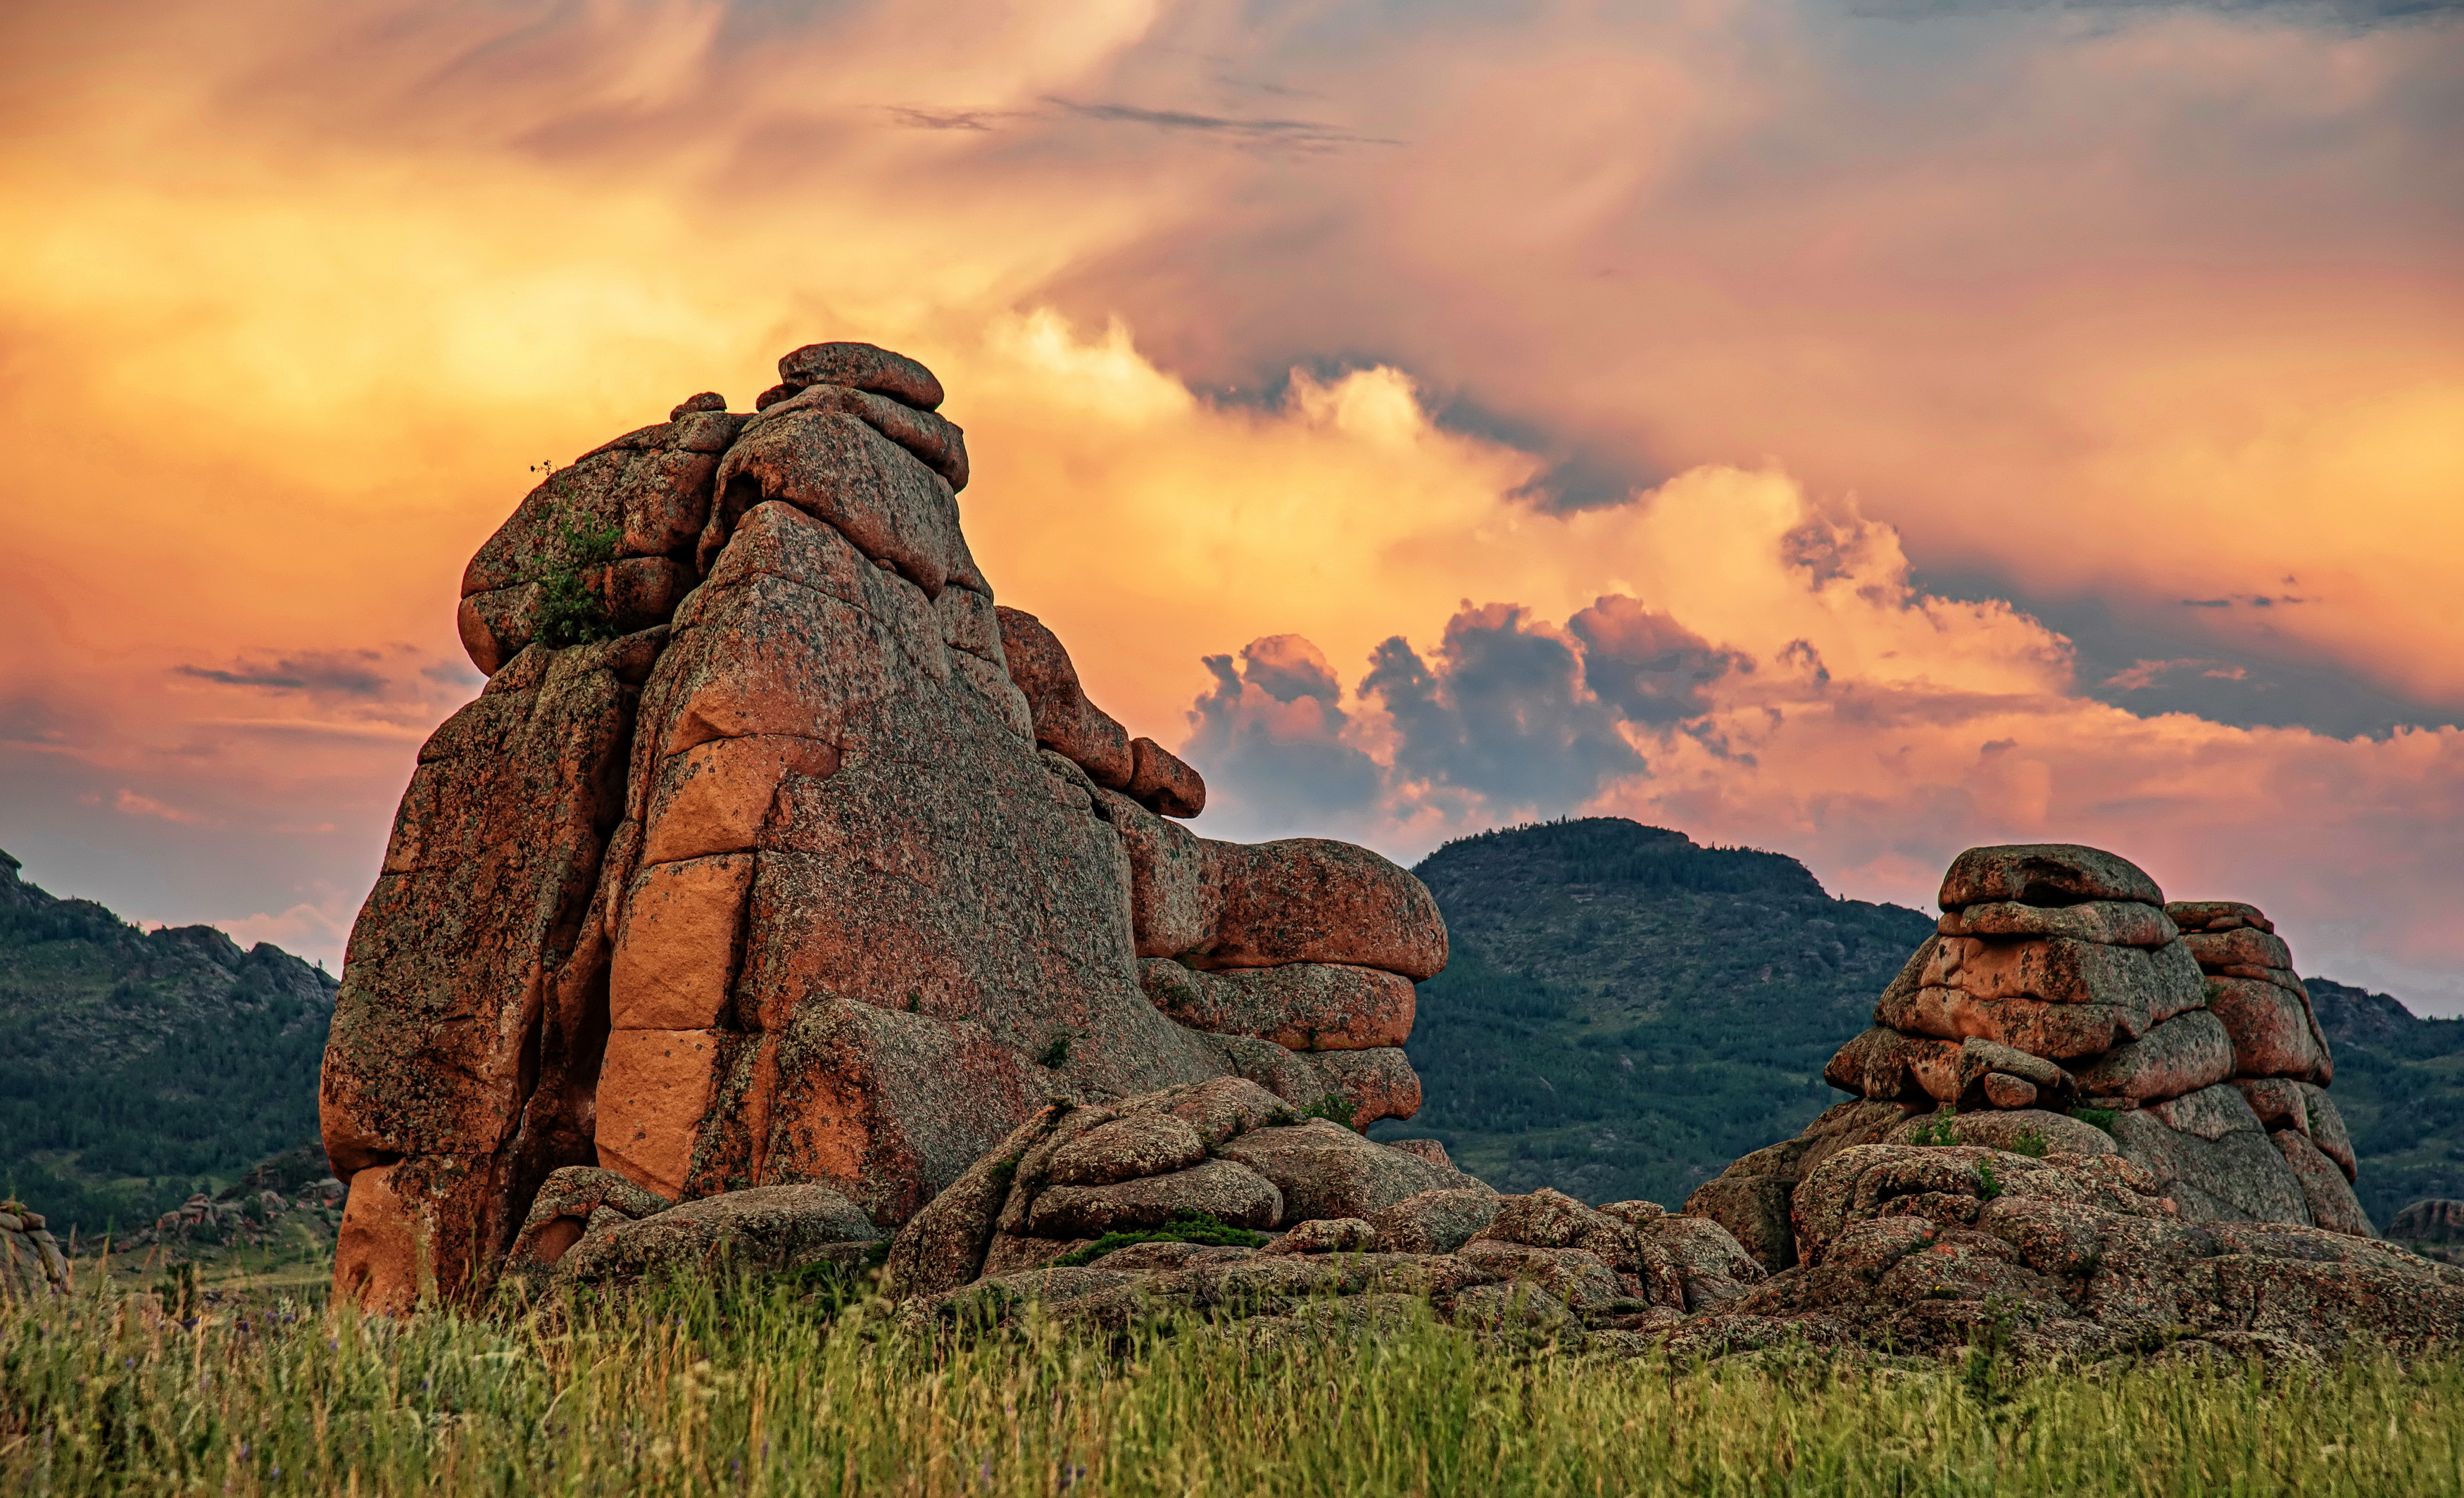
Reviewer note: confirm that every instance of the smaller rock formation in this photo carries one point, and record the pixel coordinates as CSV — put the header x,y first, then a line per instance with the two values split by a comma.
x,y
1910,1248
1228,1149
2433,1228
2062,1005
31,1265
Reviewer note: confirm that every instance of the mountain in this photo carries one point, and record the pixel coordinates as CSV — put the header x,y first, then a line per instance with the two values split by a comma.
x,y
2400,1087
138,1066
1625,1011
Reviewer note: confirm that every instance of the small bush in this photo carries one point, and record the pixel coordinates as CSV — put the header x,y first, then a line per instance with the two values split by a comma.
x,y
1183,1227
1334,1106
2030,1143
1055,1055
2100,1118
1988,1185
570,612
1938,1130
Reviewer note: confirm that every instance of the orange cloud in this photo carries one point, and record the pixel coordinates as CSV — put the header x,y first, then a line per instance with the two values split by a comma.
x,y
1304,329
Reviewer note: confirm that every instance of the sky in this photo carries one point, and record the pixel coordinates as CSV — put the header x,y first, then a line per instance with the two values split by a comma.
x,y
1860,428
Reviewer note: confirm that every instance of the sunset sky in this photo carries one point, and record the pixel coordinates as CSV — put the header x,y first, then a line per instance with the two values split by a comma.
x,y
1860,428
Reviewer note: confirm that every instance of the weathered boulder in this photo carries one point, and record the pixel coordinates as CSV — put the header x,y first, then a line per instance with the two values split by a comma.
x,y
837,469
620,523
2207,1152
763,1230
2057,1031
568,1202
1327,1235
1299,1007
1161,782
2121,923
1753,1198
2044,873
2184,1054
1138,1144
861,366
1324,1169
2272,1030
1223,1189
1438,1220
1066,721
1307,899
32,1266
2159,983
2324,1192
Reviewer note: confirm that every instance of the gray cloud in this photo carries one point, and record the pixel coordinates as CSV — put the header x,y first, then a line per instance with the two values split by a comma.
x,y
1649,667
1269,739
2212,657
1282,132
1501,713
347,673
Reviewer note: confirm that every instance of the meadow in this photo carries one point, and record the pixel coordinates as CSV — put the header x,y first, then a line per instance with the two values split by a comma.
x,y
797,1388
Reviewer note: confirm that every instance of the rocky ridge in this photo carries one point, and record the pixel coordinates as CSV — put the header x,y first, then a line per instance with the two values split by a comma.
x,y
775,854
140,1066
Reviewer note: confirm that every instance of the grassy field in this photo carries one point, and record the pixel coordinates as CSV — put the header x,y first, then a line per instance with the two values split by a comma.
x,y
770,1390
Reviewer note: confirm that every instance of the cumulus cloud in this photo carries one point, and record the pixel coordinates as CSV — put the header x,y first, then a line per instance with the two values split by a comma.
x,y
1503,713
1270,738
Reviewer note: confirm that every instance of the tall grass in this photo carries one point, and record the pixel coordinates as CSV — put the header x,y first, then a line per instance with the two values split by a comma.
x,y
759,1390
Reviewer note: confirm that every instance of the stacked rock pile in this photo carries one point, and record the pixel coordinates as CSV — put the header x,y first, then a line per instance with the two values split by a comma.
x,y
2059,987
31,1263
774,852
1341,1215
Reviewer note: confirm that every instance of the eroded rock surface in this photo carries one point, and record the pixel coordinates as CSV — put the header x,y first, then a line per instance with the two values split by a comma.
x,y
777,854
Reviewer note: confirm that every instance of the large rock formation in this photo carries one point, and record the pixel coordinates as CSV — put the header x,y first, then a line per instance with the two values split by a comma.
x,y
774,854
2062,1004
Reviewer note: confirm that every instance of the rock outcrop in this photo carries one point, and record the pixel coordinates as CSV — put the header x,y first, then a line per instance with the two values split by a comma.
x,y
1946,1249
1912,1249
774,854
2062,1005
31,1265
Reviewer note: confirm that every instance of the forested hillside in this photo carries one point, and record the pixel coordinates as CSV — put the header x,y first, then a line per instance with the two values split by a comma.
x,y
138,1066
2399,1088
1626,1012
